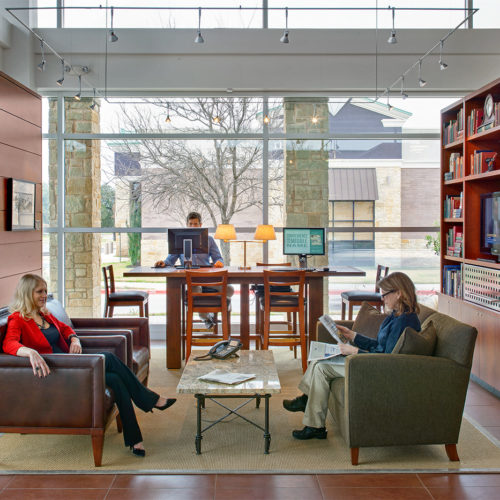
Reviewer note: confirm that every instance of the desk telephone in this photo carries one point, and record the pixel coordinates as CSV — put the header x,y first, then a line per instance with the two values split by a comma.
x,y
222,350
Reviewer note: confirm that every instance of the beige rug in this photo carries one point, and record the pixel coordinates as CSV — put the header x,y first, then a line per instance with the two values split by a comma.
x,y
235,446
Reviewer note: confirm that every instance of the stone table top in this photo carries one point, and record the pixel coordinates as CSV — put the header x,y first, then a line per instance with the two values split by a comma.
x,y
260,363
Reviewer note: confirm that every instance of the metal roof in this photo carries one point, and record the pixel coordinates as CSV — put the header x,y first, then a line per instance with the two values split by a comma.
x,y
352,184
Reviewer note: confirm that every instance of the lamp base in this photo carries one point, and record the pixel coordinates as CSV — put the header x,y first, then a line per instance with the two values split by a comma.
x,y
244,268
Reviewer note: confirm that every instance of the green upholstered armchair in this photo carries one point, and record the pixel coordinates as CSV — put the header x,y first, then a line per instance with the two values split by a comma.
x,y
403,399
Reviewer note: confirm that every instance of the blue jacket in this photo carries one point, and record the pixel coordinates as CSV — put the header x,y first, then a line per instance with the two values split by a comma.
x,y
389,332
199,259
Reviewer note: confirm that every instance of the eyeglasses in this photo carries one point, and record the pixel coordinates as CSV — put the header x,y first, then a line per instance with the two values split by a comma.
x,y
387,293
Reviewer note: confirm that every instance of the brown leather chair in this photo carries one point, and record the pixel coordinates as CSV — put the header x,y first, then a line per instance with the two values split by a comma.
x,y
276,300
72,400
122,299
136,330
215,301
357,297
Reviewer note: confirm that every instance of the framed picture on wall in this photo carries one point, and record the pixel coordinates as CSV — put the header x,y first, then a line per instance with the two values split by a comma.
x,y
21,205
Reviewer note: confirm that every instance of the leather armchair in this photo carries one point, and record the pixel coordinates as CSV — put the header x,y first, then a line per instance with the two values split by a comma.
x,y
135,329
405,399
73,399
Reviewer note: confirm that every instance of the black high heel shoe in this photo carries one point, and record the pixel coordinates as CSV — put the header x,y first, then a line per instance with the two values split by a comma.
x,y
138,452
168,404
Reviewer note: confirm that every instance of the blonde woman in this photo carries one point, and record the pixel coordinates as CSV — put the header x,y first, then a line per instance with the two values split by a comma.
x,y
32,331
400,301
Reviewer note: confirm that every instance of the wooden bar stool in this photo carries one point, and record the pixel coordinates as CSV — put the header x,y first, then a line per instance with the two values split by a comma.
x,y
126,298
357,297
289,302
215,301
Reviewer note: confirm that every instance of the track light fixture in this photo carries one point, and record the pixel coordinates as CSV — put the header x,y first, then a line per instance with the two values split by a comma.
x,y
404,95
421,81
41,66
216,119
61,80
266,119
94,103
442,64
112,35
167,119
284,38
78,95
392,38
199,38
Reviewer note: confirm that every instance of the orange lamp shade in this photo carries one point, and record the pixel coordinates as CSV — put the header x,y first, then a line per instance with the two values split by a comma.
x,y
264,232
225,232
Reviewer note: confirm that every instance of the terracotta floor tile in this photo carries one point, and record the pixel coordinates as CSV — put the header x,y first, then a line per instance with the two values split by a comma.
x,y
494,431
268,494
369,480
466,493
484,415
4,480
51,494
55,481
376,494
235,481
164,481
476,395
161,493
455,480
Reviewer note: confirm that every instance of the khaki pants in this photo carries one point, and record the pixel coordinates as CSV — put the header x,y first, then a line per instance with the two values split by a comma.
x,y
316,384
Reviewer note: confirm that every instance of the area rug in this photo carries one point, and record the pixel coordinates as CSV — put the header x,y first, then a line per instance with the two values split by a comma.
x,y
236,446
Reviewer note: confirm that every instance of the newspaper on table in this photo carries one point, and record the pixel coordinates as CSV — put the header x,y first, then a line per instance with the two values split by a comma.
x,y
332,329
322,350
225,377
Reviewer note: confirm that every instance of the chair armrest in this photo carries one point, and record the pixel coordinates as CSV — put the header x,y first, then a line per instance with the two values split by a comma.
x,y
117,344
140,327
71,396
104,332
391,398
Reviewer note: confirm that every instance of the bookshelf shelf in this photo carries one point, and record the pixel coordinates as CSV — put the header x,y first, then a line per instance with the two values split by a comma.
x,y
466,158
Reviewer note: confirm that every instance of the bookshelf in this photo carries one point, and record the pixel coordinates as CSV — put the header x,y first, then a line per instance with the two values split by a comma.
x,y
470,275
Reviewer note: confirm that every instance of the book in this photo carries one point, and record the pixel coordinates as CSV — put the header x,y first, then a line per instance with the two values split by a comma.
x,y
226,377
322,350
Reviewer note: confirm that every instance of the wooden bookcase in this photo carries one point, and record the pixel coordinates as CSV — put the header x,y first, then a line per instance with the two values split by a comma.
x,y
471,185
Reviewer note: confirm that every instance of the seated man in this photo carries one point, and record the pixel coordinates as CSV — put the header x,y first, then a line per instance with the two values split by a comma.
x,y
202,259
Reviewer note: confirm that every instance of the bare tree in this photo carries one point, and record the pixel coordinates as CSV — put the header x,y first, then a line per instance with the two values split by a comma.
x,y
220,176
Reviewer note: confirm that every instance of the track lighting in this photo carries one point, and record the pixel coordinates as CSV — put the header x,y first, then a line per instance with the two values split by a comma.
x,y
392,39
284,38
421,81
112,35
404,95
266,119
167,119
442,64
94,103
41,66
199,38
216,119
78,95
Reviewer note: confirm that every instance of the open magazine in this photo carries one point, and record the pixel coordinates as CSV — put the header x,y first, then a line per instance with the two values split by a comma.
x,y
322,350
330,325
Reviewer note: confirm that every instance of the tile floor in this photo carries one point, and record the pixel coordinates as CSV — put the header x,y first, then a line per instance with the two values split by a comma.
x,y
480,405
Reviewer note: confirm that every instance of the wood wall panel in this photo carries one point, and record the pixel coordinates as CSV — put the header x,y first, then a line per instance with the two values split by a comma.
x,y
20,101
19,133
20,154
20,164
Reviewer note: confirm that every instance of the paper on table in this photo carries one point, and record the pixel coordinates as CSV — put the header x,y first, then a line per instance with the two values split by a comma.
x,y
225,377
322,350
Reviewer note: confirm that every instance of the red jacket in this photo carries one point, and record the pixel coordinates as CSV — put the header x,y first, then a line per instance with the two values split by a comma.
x,y
26,333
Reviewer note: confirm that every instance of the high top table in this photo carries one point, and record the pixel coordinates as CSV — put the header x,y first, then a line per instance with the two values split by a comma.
x,y
175,278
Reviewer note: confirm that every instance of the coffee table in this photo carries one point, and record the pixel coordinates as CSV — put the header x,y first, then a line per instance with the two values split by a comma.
x,y
265,383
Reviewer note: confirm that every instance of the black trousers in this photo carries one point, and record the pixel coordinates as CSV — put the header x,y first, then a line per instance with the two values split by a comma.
x,y
127,388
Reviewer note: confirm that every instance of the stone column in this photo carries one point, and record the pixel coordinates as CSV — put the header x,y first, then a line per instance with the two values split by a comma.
x,y
83,209
306,170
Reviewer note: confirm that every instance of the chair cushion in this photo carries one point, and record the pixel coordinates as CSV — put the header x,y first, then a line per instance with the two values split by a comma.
x,y
421,343
361,295
280,301
56,309
259,289
210,301
128,296
368,320
141,357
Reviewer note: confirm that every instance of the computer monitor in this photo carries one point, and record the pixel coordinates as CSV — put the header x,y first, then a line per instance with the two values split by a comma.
x,y
197,235
303,241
